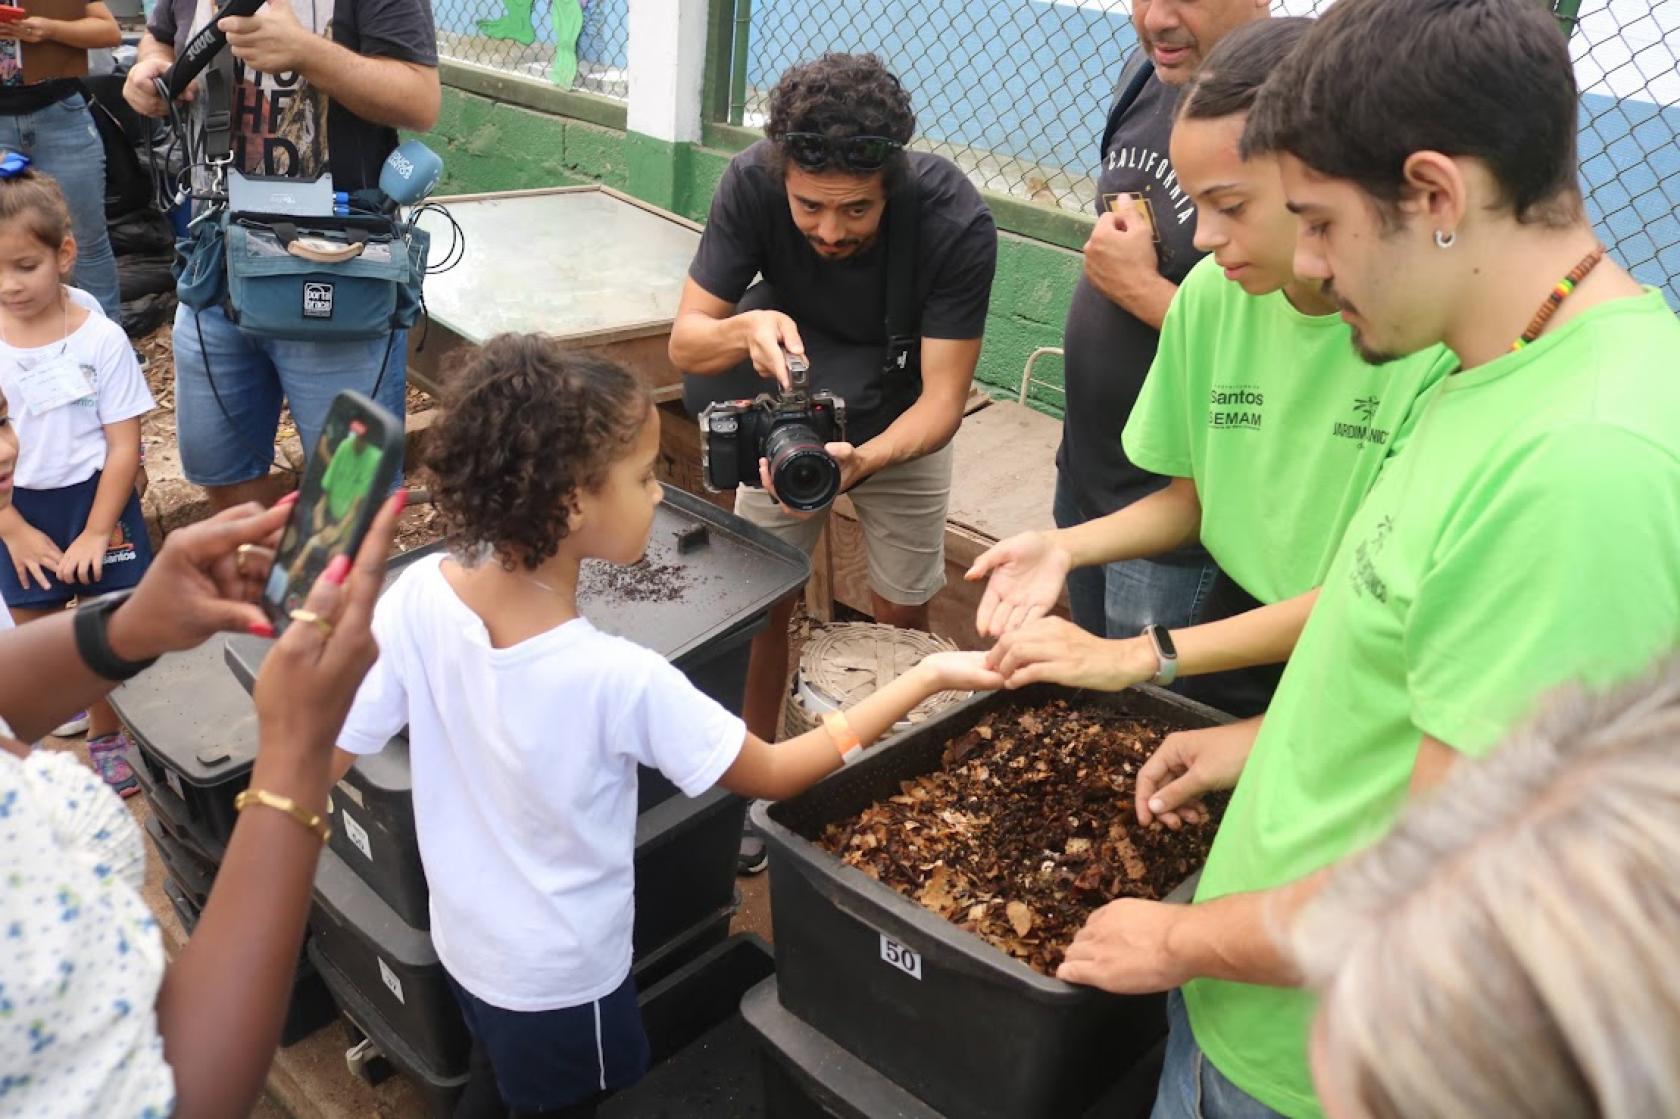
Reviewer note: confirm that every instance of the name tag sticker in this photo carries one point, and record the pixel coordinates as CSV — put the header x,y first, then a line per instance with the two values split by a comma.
x,y
53,384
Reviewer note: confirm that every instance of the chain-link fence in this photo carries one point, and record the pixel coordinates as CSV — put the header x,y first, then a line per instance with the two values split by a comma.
x,y
1016,92
576,44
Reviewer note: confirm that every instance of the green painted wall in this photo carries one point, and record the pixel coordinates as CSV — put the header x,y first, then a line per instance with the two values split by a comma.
x,y
491,145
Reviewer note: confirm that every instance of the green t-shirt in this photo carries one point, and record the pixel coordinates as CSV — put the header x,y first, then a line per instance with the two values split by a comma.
x,y
349,473
1279,422
1527,535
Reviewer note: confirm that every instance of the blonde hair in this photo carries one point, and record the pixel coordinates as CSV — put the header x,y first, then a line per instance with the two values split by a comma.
x,y
35,200
1512,948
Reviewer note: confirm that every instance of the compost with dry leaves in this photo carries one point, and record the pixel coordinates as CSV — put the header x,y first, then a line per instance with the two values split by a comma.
x,y
1027,827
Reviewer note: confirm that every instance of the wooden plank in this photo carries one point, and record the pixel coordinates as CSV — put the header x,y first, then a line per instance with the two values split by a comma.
x,y
819,589
1004,475
679,456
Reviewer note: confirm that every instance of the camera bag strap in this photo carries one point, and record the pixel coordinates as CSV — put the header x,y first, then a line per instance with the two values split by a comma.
x,y
903,314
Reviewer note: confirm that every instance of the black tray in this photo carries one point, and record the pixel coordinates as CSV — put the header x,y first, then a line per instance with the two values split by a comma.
x,y
734,580
968,1029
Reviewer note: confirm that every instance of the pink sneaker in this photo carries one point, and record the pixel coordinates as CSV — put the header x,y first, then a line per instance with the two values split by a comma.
x,y
107,756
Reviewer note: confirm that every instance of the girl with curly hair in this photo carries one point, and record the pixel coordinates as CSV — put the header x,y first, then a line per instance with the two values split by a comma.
x,y
526,723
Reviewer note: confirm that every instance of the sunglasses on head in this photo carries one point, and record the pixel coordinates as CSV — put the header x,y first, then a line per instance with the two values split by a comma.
x,y
813,151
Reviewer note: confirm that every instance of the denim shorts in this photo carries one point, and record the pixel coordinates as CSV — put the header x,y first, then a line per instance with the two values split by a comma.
x,y
62,514
229,388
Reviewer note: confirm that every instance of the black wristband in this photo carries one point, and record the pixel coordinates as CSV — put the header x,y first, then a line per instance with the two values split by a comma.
x,y
93,621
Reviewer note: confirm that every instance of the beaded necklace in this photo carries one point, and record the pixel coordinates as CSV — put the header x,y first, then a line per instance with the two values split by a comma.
x,y
1555,298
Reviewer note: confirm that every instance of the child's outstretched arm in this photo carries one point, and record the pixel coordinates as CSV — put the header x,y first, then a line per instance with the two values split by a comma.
x,y
84,560
784,769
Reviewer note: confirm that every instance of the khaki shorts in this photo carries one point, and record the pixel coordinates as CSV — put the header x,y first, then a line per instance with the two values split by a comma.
x,y
902,511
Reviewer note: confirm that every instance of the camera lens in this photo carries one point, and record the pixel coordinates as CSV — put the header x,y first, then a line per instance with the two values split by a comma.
x,y
805,475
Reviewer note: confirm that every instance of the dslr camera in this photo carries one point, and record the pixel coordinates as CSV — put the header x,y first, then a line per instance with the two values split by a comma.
x,y
788,429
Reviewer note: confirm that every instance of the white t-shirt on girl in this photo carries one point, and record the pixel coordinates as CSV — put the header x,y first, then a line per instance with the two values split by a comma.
x,y
524,763
65,444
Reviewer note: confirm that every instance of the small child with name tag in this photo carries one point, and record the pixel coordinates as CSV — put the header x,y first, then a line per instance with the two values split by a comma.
x,y
73,528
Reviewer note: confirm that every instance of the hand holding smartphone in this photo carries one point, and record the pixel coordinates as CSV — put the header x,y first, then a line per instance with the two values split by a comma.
x,y
351,469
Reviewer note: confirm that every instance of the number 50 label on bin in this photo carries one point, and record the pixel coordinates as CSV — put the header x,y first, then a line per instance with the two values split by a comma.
x,y
904,959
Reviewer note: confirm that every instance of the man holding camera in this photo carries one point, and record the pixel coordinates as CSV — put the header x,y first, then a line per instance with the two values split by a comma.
x,y
816,210
319,86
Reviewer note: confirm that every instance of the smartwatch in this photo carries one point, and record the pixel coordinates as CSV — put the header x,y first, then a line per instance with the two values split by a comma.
x,y
92,625
1166,654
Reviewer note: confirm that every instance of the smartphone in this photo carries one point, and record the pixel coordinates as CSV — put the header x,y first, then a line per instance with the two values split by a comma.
x,y
10,14
350,472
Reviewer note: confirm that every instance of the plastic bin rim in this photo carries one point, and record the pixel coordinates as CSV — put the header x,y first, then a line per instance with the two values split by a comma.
x,y
928,923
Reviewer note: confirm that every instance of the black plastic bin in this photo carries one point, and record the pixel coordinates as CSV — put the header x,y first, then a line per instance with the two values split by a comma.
x,y
196,732
963,1026
685,849
308,1008
681,911
372,816
805,1074
438,1088
390,963
733,579
682,874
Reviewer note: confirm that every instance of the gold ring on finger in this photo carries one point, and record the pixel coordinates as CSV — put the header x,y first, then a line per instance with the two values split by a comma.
x,y
239,555
314,619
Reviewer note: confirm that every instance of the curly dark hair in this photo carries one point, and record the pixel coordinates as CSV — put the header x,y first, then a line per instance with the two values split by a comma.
x,y
527,424
841,95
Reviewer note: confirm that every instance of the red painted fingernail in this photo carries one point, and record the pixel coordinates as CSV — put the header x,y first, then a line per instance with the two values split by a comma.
x,y
260,629
288,499
401,501
337,570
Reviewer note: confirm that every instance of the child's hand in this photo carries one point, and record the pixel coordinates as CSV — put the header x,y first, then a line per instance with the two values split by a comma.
x,y
962,672
84,560
33,553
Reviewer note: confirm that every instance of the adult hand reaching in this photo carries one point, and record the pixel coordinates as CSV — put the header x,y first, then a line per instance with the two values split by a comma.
x,y
1187,764
1027,572
1055,650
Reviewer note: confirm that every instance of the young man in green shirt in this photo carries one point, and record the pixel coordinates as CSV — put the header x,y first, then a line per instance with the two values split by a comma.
x,y
1268,423
1526,535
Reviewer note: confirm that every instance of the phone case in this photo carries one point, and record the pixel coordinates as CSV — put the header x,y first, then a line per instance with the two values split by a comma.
x,y
351,470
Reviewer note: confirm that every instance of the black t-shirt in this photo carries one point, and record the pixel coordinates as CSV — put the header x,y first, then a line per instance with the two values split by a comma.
x,y
1108,350
277,125
840,306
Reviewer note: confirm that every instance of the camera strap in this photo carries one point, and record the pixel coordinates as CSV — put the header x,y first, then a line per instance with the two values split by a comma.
x,y
903,315
217,102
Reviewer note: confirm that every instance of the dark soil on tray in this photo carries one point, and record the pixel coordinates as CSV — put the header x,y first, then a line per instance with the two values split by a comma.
x,y
645,580
1027,828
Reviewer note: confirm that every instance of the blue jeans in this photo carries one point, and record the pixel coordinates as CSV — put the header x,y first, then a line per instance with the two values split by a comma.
x,y
1191,1088
217,367
1119,599
62,141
